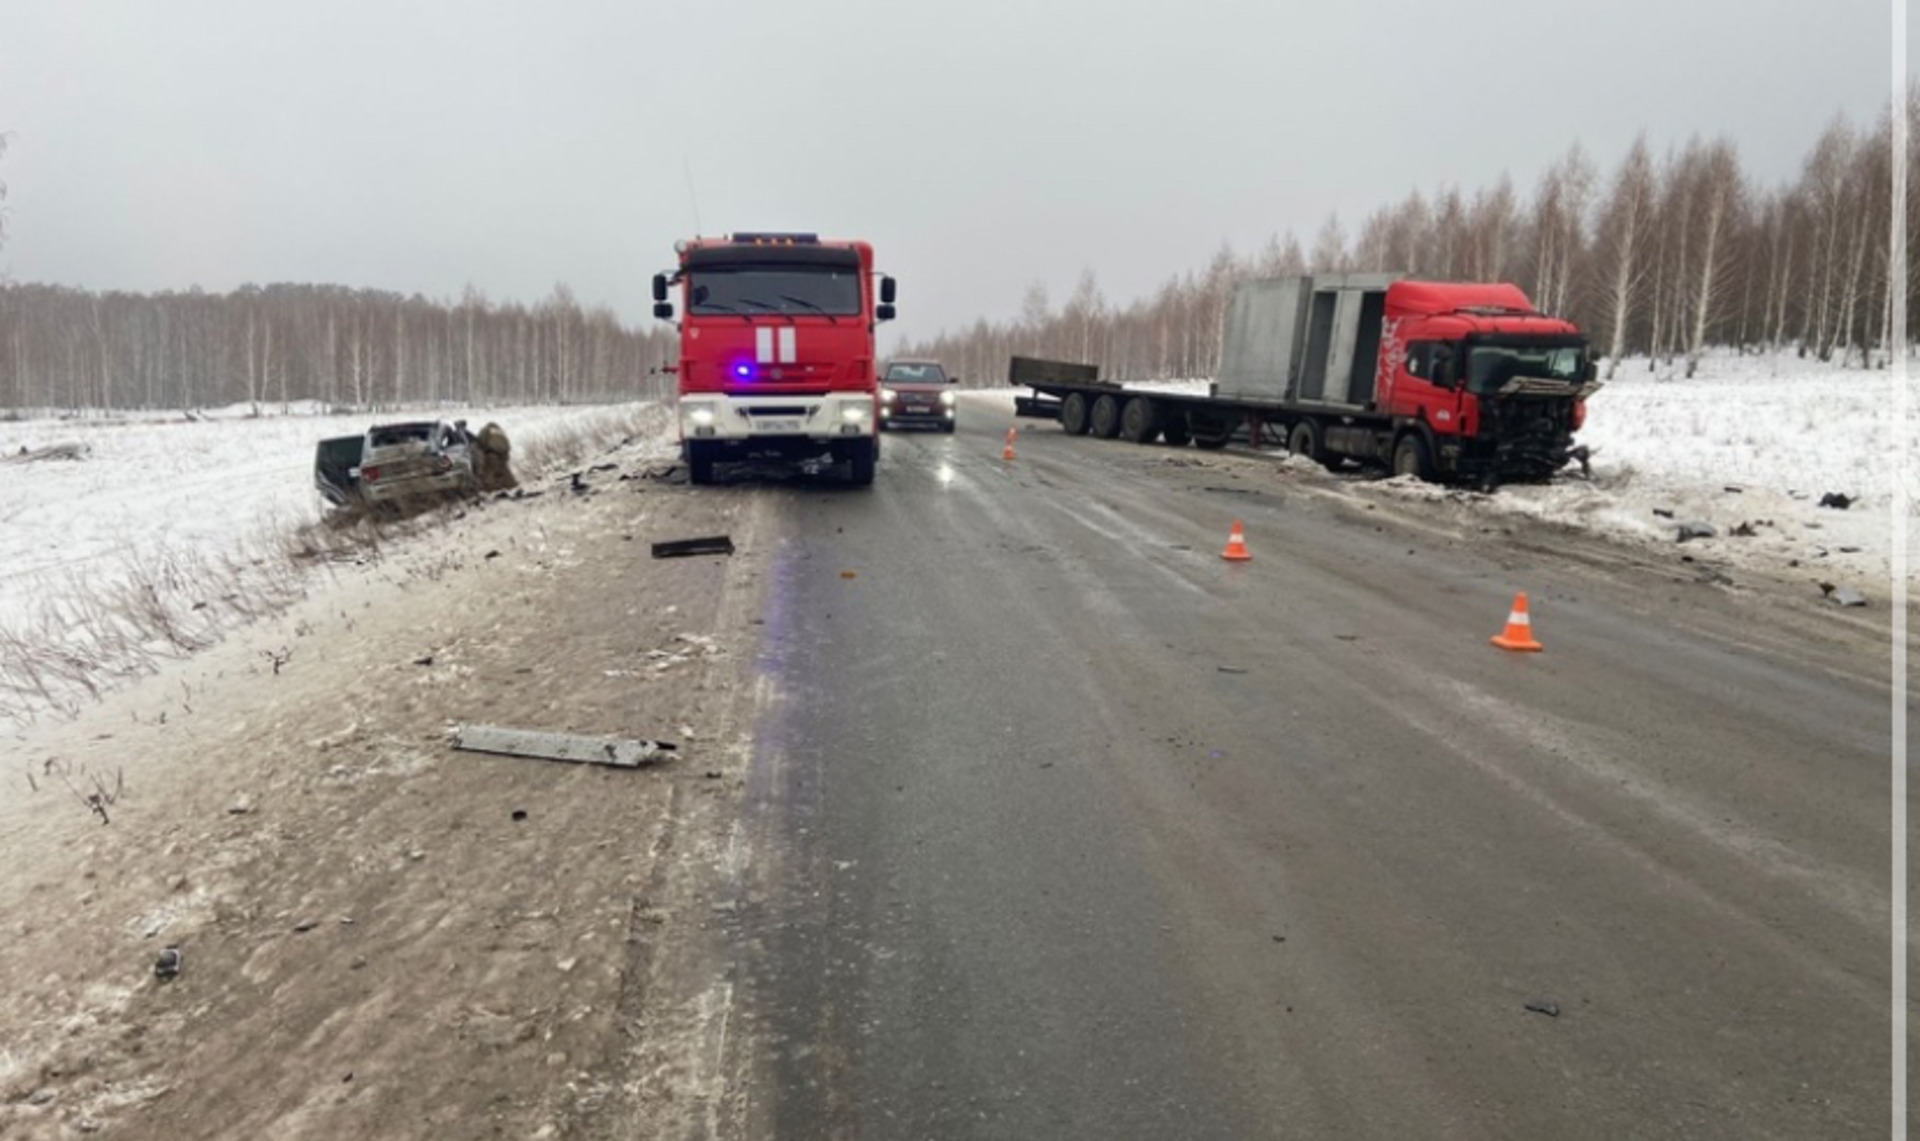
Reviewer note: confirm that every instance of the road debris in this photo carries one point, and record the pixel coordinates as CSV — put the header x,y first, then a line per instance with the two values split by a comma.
x,y
1693,530
53,452
681,548
1842,595
1544,1006
1231,669
1836,501
167,965
620,752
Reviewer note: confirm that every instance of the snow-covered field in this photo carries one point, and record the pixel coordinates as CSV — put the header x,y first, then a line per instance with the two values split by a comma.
x,y
1754,440
161,530
149,485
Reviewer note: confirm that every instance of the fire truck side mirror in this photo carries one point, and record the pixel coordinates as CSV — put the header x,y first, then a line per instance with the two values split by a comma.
x,y
663,310
883,313
659,287
886,292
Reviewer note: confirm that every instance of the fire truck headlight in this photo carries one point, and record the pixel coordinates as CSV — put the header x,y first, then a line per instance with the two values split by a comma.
x,y
855,413
700,417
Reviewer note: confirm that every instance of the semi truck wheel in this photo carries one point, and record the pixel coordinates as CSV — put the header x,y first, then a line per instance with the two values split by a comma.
x,y
1073,414
699,462
1411,457
1176,433
1140,421
1106,417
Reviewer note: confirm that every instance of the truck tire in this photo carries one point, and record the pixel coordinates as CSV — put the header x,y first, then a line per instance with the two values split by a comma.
x,y
1106,417
1412,457
1073,414
1176,433
1140,421
1305,440
699,463
861,464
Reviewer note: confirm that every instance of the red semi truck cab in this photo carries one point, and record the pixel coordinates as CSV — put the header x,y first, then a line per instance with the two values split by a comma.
x,y
1500,386
777,349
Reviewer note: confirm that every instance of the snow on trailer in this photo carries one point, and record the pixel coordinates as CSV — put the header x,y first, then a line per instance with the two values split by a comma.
x,y
1439,380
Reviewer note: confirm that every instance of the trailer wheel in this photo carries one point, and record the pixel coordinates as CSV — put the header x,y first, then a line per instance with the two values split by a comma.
x,y
1073,414
1411,457
1304,440
1106,417
1176,433
1140,421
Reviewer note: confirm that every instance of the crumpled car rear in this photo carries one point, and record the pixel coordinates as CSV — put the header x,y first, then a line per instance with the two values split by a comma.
x,y
416,460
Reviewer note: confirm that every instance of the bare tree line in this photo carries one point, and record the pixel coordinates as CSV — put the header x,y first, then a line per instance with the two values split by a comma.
x,y
71,348
1665,257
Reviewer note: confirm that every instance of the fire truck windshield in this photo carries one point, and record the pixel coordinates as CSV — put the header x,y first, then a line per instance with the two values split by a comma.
x,y
784,289
1491,366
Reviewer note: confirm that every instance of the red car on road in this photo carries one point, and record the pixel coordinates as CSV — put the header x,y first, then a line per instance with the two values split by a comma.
x,y
915,392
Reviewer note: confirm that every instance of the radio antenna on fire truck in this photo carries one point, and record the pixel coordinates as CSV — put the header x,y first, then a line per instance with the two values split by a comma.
x,y
686,162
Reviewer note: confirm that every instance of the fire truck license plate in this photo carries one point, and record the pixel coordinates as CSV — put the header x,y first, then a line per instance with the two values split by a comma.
x,y
778,425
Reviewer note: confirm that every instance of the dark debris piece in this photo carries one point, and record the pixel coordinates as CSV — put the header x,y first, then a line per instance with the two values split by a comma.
x,y
681,548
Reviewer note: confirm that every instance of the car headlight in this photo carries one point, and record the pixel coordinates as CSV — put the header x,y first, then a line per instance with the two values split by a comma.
x,y
700,417
887,395
949,398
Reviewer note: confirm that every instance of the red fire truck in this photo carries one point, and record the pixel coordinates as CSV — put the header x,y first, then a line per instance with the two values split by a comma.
x,y
777,350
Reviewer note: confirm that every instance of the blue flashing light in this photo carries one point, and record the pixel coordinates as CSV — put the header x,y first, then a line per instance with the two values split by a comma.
x,y
743,370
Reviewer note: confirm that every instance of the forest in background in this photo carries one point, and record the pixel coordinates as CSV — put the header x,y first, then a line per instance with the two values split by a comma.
x,y
1663,256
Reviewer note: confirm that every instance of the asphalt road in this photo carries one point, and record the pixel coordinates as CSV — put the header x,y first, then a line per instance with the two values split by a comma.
x,y
1068,828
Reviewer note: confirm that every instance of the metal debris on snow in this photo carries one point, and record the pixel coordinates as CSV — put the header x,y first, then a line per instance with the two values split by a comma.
x,y
681,548
1544,1006
167,965
620,752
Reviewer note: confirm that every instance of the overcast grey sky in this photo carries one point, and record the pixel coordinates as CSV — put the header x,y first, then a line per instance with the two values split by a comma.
x,y
981,145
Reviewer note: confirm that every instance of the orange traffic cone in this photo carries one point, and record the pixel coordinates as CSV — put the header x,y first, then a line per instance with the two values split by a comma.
x,y
1006,453
1236,545
1519,632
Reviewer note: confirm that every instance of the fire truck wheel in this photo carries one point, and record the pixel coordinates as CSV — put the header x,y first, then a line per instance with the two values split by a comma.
x,y
1410,457
699,463
862,466
1106,417
1073,414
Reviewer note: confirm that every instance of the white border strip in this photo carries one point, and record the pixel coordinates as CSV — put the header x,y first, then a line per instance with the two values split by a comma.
x,y
1902,476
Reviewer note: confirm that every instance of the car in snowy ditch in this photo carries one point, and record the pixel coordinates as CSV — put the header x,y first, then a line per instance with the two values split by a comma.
x,y
409,461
